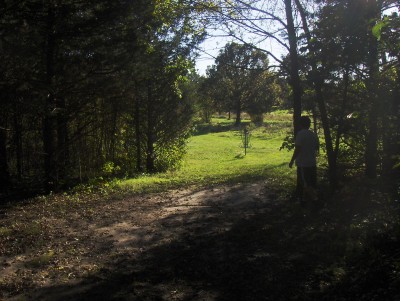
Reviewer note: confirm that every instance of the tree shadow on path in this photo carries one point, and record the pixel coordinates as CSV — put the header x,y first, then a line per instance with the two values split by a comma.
x,y
230,245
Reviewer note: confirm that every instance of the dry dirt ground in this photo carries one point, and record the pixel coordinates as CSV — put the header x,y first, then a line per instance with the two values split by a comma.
x,y
241,242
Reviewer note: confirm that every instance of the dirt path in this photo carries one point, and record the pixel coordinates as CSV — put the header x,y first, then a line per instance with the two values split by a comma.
x,y
241,242
71,255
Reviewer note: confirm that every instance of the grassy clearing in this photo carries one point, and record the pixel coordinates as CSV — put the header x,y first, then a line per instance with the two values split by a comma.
x,y
216,155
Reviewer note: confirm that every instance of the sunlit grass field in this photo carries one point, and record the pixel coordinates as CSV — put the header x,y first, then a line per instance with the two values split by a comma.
x,y
216,155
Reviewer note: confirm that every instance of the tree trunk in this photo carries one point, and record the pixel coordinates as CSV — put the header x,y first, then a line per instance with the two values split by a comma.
x,y
48,120
114,119
4,171
150,134
327,133
371,157
294,66
138,135
314,118
62,140
18,139
371,152
48,144
391,124
238,112
342,112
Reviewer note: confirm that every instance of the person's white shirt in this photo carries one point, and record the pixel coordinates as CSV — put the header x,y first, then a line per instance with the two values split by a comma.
x,y
309,144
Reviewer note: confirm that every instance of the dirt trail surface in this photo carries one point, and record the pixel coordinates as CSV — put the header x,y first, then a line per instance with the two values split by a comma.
x,y
152,247
241,242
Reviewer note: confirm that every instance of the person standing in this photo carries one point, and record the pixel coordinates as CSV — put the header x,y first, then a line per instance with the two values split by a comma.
x,y
305,156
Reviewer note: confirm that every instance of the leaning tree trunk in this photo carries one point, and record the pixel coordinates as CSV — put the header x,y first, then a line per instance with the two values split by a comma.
x,y
294,66
327,133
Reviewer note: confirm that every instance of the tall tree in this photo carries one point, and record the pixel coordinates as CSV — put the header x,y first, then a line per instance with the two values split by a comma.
x,y
374,10
387,32
294,79
239,68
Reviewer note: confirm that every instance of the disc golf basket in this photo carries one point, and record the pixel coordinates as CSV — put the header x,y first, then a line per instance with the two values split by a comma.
x,y
245,135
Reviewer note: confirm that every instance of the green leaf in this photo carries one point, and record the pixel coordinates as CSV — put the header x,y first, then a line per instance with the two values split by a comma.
x,y
377,29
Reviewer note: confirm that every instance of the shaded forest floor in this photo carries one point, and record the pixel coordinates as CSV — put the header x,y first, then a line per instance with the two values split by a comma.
x,y
235,242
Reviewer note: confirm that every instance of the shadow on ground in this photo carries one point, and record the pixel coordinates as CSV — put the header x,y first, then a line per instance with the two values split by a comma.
x,y
236,245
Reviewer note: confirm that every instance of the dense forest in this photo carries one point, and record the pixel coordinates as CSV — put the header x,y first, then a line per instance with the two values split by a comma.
x,y
89,88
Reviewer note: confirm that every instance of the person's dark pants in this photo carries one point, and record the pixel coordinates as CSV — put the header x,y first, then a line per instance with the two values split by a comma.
x,y
306,177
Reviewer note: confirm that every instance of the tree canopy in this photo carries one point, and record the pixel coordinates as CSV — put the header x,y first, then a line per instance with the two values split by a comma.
x,y
241,73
